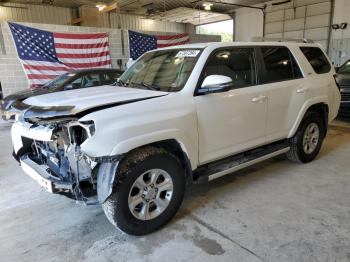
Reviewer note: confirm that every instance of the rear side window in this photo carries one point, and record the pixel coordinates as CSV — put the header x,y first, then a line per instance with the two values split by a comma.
x,y
317,59
280,65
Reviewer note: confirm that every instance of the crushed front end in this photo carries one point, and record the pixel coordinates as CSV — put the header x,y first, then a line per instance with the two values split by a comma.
x,y
50,152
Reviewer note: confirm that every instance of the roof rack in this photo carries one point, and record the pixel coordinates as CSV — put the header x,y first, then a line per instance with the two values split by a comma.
x,y
266,39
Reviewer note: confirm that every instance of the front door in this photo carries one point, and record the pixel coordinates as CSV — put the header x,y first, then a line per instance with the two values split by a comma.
x,y
233,121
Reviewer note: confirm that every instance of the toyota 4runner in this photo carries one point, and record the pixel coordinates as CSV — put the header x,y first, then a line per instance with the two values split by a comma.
x,y
179,115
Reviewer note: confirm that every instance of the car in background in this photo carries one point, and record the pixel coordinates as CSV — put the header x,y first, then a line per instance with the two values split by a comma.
x,y
343,80
68,81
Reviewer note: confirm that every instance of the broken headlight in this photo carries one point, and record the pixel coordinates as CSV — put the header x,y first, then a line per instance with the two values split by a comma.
x,y
80,131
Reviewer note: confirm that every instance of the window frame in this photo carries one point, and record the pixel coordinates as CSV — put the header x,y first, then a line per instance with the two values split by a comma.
x,y
323,53
229,48
262,65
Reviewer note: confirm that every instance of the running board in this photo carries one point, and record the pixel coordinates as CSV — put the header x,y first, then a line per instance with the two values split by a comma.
x,y
234,163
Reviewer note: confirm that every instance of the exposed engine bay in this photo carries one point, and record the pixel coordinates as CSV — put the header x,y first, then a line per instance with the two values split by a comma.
x,y
73,173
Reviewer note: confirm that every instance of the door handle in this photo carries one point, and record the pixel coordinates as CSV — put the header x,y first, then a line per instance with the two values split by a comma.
x,y
302,90
258,99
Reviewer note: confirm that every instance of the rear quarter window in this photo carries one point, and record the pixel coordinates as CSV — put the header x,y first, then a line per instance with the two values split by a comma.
x,y
317,59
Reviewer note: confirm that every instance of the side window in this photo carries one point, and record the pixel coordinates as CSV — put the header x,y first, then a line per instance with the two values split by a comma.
x,y
91,80
280,64
110,78
236,63
77,83
317,59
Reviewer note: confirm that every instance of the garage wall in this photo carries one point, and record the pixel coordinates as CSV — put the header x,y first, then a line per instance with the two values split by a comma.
x,y
340,44
308,19
248,24
36,14
126,21
62,16
12,76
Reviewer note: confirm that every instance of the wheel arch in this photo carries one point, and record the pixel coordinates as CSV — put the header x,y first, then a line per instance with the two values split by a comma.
x,y
106,171
320,107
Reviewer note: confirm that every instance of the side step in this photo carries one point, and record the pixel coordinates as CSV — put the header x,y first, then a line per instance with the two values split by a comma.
x,y
234,163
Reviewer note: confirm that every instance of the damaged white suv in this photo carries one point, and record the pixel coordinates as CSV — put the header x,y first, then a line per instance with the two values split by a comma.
x,y
178,115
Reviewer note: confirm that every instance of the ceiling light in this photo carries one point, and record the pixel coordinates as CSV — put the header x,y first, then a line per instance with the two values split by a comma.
x,y
100,6
207,6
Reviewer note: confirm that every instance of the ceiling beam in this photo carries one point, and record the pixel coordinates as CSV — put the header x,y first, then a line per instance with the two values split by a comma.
x,y
108,8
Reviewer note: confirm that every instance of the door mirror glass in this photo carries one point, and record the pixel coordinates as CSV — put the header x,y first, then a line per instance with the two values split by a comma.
x,y
215,84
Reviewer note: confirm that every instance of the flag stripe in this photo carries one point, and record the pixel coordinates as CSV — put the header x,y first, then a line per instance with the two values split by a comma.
x,y
89,65
85,55
81,46
40,76
170,37
45,67
68,61
81,51
172,44
80,41
173,41
80,36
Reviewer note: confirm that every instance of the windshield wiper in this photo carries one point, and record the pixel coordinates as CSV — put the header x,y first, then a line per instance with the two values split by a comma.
x,y
151,87
148,86
121,82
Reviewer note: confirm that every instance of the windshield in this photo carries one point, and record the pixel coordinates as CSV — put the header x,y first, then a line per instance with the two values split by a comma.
x,y
345,69
56,82
164,70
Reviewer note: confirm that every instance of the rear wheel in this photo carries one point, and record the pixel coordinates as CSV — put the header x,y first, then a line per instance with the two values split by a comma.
x,y
307,142
149,191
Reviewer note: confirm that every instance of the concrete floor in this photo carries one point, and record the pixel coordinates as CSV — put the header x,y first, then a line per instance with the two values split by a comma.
x,y
275,211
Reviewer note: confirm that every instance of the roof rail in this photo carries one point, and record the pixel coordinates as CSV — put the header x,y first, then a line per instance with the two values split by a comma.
x,y
266,39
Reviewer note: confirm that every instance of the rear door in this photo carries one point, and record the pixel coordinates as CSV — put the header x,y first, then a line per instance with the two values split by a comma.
x,y
283,81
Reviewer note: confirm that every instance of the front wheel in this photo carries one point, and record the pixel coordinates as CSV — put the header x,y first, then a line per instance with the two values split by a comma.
x,y
149,191
307,142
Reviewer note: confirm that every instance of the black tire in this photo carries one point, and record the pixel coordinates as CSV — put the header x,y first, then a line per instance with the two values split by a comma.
x,y
297,152
116,206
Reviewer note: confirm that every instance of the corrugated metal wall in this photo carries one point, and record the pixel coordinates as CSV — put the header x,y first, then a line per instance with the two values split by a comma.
x,y
126,21
340,51
62,16
300,19
36,14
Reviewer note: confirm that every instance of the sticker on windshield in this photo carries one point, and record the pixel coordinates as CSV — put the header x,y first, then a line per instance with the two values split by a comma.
x,y
187,53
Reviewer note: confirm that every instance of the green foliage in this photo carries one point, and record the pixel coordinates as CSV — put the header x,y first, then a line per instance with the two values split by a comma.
x,y
225,37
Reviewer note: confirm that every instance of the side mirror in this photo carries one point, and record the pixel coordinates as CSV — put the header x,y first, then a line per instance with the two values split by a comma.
x,y
215,84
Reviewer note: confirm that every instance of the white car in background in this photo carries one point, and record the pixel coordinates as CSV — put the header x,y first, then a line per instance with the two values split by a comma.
x,y
180,115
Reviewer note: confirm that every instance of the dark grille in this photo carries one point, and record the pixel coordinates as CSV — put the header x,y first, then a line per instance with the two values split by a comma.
x,y
345,96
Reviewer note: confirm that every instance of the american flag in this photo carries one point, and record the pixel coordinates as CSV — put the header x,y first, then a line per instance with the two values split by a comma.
x,y
45,55
140,43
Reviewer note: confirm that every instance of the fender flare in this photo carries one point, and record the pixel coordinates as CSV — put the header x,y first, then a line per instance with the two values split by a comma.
x,y
105,180
107,170
309,103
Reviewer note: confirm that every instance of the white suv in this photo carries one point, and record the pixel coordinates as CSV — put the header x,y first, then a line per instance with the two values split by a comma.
x,y
178,115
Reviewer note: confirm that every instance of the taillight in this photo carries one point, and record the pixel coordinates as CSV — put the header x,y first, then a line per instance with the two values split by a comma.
x,y
336,82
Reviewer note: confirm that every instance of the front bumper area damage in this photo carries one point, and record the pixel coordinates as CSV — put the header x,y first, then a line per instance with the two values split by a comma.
x,y
51,152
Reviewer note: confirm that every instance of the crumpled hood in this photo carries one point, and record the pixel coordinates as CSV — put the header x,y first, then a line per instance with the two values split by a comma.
x,y
74,102
21,95
91,97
